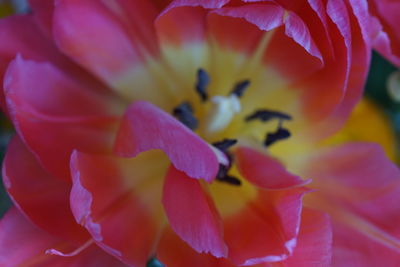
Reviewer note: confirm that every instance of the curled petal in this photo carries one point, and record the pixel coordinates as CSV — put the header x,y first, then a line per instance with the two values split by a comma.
x,y
345,73
114,40
46,104
285,46
171,30
351,247
313,248
314,243
146,127
358,185
14,33
22,243
173,251
266,230
265,171
385,23
194,3
192,214
42,197
119,202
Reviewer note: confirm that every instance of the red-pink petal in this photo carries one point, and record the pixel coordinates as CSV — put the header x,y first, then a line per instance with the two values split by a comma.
x,y
119,202
171,30
48,106
242,28
43,13
345,73
387,33
314,243
359,187
173,251
23,244
192,214
108,38
41,196
145,127
353,248
264,171
19,34
266,229
360,56
197,3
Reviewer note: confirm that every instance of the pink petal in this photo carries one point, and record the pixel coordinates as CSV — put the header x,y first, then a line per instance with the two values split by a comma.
x,y
242,28
43,12
359,60
145,127
22,243
345,73
19,34
119,202
387,35
359,187
197,3
42,197
45,104
173,251
171,30
265,171
192,214
314,243
112,39
353,248
267,229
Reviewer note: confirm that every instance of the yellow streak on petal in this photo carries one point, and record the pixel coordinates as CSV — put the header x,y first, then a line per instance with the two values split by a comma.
x,y
231,199
342,215
144,175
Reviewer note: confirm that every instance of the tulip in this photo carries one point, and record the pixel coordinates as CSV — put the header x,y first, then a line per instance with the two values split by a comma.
x,y
193,131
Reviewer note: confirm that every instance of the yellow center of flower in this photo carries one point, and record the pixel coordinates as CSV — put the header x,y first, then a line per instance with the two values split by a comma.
x,y
217,92
217,113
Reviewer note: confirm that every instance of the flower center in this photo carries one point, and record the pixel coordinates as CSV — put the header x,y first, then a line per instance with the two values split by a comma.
x,y
220,113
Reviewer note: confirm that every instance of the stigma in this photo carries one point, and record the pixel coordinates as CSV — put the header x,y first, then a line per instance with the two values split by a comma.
x,y
222,111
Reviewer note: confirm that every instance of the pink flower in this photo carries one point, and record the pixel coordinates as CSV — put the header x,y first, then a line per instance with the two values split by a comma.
x,y
237,95
385,24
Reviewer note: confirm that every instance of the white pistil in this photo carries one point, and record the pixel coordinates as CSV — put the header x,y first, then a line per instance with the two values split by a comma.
x,y
222,158
221,113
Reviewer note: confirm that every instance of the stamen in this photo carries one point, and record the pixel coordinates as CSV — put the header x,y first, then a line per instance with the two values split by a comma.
x,y
280,134
240,88
203,79
230,180
266,115
223,176
225,144
184,113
